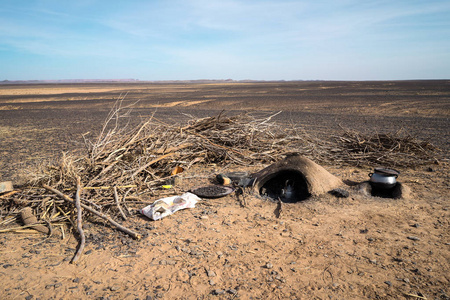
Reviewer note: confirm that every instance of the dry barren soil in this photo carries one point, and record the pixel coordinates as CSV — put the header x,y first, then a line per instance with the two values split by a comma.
x,y
360,247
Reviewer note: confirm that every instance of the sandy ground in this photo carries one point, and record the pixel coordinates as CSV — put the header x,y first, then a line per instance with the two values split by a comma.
x,y
360,247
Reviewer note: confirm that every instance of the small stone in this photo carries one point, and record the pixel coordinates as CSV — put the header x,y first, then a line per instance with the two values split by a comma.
x,y
268,266
406,280
413,238
88,252
388,283
114,288
212,282
232,291
218,292
29,297
415,225
373,261
76,280
204,217
210,273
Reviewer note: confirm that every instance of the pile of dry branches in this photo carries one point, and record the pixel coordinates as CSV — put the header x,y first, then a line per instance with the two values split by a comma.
x,y
389,149
121,163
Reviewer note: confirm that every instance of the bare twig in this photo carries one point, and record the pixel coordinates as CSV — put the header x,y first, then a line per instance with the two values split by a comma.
x,y
151,163
97,213
116,199
79,223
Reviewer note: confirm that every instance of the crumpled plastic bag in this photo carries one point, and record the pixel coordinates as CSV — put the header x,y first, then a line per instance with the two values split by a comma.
x,y
167,206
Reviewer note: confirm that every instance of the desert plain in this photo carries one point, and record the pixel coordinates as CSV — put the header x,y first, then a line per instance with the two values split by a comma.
x,y
359,247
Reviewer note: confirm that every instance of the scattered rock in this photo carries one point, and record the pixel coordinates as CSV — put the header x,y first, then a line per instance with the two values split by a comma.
x,y
232,291
413,238
268,265
388,283
218,292
114,288
210,273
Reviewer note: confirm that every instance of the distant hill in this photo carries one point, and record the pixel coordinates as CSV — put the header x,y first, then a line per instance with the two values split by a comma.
x,y
124,81
67,81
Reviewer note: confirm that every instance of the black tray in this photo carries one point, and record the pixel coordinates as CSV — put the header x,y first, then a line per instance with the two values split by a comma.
x,y
212,191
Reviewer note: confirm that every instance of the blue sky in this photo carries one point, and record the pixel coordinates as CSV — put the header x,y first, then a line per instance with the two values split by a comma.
x,y
209,39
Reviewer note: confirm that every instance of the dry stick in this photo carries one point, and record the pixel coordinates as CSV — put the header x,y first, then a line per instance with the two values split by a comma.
x,y
8,194
79,223
104,171
124,202
133,139
151,163
108,187
175,148
116,198
214,144
90,209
